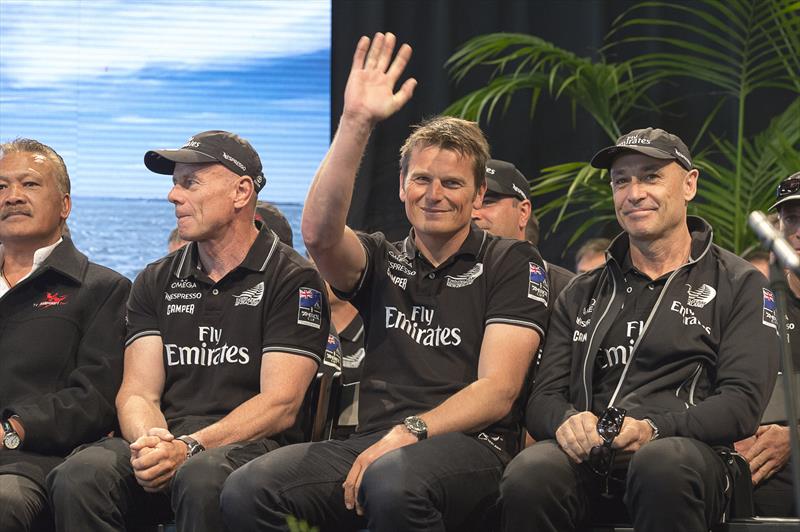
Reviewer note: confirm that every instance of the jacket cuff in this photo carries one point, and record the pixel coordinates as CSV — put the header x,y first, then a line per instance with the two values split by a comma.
x,y
666,427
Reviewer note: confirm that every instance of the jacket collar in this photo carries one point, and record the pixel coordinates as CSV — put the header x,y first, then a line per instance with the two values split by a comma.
x,y
67,260
701,232
257,258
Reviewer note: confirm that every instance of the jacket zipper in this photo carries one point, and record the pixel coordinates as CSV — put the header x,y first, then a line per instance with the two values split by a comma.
x,y
647,324
591,339
696,378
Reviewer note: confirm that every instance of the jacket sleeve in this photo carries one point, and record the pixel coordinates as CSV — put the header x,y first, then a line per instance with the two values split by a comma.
x,y
83,410
549,404
745,373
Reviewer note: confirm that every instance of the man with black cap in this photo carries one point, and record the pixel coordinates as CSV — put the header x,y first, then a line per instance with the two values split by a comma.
x,y
224,336
507,211
654,364
61,333
768,450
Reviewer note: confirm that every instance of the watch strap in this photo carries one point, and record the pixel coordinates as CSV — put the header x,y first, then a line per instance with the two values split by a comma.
x,y
193,446
416,426
652,426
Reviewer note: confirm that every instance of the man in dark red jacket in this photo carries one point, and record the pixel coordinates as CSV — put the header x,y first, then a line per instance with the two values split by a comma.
x,y
61,332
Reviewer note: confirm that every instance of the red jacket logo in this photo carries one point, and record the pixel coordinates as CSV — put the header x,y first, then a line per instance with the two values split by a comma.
x,y
52,299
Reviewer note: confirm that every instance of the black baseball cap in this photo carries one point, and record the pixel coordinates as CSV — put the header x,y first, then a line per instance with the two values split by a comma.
x,y
503,179
653,142
228,149
788,190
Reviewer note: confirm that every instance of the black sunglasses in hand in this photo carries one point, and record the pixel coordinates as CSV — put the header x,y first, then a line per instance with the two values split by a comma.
x,y
601,457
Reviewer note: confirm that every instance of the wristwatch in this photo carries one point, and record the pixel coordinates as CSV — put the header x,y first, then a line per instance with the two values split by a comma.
x,y
652,426
416,426
193,446
11,440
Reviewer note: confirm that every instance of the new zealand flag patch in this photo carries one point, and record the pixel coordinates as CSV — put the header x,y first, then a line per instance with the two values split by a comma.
x,y
309,311
538,289
769,315
333,353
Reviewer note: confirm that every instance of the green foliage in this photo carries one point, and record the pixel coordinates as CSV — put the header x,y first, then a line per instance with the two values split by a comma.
x,y
733,47
299,525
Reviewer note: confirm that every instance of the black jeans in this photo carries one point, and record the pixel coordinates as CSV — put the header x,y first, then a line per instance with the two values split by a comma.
x,y
95,489
675,484
445,482
23,502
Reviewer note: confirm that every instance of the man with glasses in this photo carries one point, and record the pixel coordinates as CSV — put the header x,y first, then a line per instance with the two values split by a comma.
x,y
224,336
653,364
768,450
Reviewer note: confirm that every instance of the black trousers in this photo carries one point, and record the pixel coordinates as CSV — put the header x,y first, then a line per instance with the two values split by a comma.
x,y
672,484
445,482
23,503
95,489
774,497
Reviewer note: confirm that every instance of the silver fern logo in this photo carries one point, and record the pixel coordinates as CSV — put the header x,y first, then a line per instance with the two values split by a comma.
x,y
701,297
465,279
251,296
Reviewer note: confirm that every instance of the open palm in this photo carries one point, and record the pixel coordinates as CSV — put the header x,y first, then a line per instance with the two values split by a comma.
x,y
369,94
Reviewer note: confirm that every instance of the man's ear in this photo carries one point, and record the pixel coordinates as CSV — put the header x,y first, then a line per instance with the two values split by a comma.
x,y
525,209
244,192
402,191
690,184
477,201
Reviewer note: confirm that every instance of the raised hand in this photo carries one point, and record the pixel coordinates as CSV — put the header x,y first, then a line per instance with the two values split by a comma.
x,y
369,94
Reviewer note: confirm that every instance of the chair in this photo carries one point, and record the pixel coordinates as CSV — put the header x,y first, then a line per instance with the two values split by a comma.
x,y
319,406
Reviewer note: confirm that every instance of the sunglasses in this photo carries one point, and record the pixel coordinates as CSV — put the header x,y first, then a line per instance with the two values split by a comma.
x,y
788,186
601,457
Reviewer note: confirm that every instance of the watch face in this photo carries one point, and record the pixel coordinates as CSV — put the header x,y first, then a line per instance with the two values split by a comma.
x,y
416,425
11,440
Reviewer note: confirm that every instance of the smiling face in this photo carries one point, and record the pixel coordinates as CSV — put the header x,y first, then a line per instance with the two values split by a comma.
x,y
32,206
439,192
204,196
651,195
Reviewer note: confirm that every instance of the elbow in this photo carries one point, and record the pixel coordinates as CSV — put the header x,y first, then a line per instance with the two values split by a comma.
x,y
286,418
313,231
505,400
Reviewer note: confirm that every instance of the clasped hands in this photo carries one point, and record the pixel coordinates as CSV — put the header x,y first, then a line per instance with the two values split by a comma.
x,y
578,434
155,458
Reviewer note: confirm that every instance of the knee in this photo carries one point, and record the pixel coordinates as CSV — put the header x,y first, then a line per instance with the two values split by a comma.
x,y
88,469
539,473
21,501
662,467
203,473
238,492
389,484
246,494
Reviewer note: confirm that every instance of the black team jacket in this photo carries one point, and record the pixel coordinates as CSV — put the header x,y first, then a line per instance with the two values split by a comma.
x,y
61,346
702,369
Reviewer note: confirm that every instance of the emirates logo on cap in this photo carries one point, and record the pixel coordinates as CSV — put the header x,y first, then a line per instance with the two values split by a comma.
x,y
633,139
